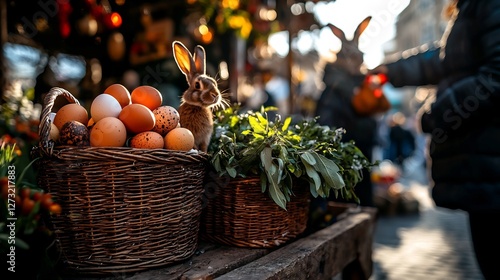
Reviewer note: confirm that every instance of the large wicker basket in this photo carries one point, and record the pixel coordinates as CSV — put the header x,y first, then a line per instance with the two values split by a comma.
x,y
241,215
123,209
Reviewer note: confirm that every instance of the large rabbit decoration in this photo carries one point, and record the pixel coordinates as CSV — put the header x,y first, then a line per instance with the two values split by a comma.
x,y
342,80
201,96
350,58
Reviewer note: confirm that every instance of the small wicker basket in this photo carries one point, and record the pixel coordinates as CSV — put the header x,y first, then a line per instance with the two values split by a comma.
x,y
241,215
123,209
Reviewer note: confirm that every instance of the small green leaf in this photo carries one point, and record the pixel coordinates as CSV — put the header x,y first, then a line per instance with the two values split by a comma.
x,y
266,158
281,167
287,122
256,126
312,188
216,163
270,108
277,195
311,172
234,121
329,170
257,136
231,171
263,181
262,120
308,157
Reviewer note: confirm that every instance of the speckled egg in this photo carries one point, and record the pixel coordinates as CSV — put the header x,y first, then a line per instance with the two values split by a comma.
x,y
167,118
74,133
147,140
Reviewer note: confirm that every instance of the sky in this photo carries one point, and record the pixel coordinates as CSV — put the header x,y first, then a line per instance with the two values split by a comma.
x,y
347,14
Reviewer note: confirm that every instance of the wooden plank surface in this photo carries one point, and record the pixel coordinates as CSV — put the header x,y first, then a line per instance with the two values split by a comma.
x,y
210,260
321,255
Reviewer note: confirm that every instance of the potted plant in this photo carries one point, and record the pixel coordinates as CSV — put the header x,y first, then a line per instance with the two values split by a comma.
x,y
277,160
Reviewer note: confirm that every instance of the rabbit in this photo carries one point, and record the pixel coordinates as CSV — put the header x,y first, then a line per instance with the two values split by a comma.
x,y
342,78
349,56
201,96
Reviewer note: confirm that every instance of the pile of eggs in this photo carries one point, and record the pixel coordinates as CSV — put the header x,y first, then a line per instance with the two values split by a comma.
x,y
119,118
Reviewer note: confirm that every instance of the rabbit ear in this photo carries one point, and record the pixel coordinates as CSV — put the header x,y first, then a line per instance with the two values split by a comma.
x,y
337,32
361,28
183,58
199,59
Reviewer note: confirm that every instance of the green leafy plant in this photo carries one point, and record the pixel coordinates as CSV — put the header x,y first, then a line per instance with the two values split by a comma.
x,y
250,144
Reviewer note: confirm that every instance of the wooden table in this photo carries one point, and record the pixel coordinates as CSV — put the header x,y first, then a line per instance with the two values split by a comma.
x,y
344,247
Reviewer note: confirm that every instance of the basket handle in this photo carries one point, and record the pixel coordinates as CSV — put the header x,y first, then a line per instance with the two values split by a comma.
x,y
46,145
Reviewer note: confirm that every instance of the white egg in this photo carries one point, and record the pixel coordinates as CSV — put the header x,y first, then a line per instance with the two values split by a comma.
x,y
104,105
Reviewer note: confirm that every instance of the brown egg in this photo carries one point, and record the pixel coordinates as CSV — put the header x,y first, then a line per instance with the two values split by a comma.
x,y
74,133
137,118
166,119
119,92
147,140
108,132
147,96
180,139
71,112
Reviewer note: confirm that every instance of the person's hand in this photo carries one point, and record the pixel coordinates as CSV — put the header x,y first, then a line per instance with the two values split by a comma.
x,y
381,69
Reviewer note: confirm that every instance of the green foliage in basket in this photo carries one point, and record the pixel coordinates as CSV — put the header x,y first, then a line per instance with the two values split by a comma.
x,y
250,144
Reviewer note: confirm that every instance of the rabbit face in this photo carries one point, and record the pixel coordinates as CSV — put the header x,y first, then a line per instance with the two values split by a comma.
x,y
349,56
203,91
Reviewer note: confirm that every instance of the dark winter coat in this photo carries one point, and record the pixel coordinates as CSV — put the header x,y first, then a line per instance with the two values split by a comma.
x,y
335,110
464,120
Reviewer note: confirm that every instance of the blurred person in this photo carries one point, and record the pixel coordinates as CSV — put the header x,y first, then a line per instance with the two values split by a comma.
x,y
463,120
401,140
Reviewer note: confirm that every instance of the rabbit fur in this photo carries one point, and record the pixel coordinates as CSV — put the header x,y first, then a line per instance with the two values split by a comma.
x,y
202,94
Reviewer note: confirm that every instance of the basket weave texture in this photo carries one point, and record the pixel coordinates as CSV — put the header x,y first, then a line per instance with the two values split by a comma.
x,y
241,215
124,209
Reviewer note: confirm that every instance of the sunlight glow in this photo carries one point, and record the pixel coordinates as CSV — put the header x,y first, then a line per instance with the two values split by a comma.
x,y
345,14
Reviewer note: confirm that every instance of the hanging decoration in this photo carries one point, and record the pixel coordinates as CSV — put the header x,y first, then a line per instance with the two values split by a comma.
x,y
103,14
65,10
88,25
116,46
112,20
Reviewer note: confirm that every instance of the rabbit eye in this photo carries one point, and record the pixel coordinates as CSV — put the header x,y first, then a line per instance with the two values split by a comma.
x,y
197,85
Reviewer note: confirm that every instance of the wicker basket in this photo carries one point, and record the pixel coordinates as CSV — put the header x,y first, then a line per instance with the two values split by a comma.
x,y
241,215
124,209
